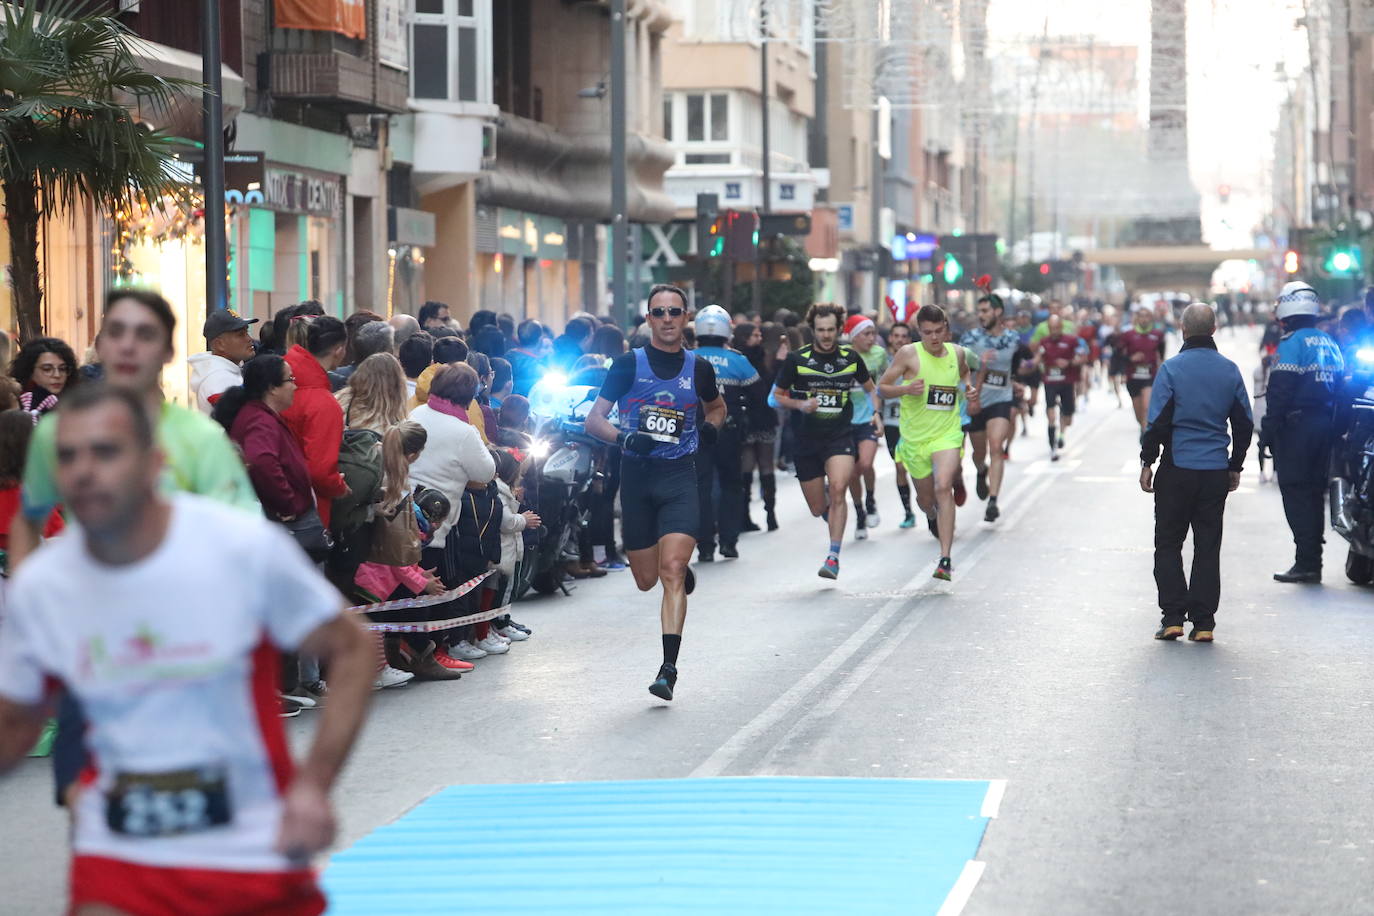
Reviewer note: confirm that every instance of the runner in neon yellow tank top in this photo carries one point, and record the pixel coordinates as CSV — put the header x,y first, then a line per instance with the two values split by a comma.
x,y
926,375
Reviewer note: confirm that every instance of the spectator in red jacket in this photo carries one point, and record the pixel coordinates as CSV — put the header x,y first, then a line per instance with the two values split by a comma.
x,y
251,413
314,416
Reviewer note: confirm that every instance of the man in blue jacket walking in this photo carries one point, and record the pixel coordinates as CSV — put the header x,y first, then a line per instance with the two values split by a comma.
x,y
1195,395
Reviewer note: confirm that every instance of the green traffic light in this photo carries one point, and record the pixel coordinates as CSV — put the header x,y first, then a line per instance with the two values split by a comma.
x,y
952,270
718,248
1343,261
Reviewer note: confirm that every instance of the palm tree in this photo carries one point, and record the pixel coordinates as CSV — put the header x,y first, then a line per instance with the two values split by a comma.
x,y
69,86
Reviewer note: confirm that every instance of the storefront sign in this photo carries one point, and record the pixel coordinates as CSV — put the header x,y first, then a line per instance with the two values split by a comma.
x,y
298,193
553,239
347,17
392,48
411,227
244,178
518,232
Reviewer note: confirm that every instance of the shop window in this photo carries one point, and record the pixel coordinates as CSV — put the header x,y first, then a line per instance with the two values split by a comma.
x,y
457,31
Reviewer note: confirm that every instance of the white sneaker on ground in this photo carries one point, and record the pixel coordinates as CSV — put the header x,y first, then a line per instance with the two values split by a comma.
x,y
873,519
493,646
512,634
391,677
860,534
467,651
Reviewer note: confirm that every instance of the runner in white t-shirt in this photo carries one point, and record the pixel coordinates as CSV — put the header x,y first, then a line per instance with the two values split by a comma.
x,y
191,804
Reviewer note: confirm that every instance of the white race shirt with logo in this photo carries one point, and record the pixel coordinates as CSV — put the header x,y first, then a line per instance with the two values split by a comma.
x,y
175,661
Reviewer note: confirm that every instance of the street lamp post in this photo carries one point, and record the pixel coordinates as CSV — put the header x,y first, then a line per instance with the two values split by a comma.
x,y
212,169
619,202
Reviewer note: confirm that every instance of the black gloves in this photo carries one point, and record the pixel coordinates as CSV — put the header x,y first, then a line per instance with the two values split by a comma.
x,y
637,442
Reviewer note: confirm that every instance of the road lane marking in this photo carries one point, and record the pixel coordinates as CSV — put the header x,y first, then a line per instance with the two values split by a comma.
x,y
962,890
1022,498
992,802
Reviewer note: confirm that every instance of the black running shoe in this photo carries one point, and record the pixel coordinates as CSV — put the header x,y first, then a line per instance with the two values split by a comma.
x,y
729,551
944,571
691,581
1061,441
993,512
934,526
982,485
663,685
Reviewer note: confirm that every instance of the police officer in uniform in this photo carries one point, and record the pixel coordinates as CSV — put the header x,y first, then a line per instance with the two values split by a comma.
x,y
1299,423
719,463
660,390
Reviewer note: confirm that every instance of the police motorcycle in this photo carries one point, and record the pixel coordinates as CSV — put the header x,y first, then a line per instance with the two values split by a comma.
x,y
1351,490
566,464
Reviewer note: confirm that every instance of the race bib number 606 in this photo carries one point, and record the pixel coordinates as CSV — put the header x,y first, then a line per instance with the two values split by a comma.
x,y
662,424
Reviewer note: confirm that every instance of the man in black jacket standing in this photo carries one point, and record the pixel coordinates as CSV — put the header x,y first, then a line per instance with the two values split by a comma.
x,y
1195,395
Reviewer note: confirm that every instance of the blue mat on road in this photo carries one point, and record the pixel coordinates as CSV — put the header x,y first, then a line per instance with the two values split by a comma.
x,y
746,845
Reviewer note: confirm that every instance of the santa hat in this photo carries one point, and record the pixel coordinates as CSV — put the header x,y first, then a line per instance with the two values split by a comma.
x,y
857,324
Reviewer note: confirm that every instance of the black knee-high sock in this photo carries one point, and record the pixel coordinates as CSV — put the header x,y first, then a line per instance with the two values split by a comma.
x,y
1054,440
672,642
904,491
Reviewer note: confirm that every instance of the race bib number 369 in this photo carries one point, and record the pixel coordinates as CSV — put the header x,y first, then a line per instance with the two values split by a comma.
x,y
941,397
996,379
166,804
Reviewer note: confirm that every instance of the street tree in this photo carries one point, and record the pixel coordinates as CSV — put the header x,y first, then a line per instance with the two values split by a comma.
x,y
71,92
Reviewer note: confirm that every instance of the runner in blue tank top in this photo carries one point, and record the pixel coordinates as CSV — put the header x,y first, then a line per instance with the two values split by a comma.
x,y
660,390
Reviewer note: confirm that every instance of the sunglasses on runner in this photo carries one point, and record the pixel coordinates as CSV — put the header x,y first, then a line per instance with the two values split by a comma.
x,y
674,311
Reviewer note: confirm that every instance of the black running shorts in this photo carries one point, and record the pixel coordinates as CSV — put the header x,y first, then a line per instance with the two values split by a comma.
x,y
657,497
810,455
1136,385
979,422
1060,394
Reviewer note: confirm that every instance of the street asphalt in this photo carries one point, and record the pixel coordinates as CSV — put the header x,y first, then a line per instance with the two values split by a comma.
x,y
1141,777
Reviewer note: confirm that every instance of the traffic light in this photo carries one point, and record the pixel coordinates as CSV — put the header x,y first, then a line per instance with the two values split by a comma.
x,y
709,238
955,261
1291,262
741,234
1342,260
1045,268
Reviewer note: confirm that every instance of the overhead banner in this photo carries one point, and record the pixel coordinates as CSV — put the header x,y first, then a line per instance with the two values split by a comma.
x,y
347,17
392,48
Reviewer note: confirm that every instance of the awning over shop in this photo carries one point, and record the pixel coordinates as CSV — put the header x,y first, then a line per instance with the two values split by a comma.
x,y
183,117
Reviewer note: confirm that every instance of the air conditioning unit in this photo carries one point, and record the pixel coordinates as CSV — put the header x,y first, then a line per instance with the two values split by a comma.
x,y
488,146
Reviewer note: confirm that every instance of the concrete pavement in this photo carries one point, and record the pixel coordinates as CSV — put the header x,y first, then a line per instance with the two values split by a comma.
x,y
1141,776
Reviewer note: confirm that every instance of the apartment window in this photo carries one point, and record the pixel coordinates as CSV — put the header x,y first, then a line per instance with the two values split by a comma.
x,y
450,42
706,158
720,116
668,118
708,117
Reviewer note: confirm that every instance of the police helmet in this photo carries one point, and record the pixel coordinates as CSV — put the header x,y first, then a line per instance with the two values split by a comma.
x,y
713,321
1297,298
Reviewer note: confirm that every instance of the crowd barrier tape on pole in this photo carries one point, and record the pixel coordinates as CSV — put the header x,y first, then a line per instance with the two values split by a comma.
x,y
424,601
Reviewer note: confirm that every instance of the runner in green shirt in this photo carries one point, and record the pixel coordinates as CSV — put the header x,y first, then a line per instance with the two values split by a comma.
x,y
927,377
134,343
